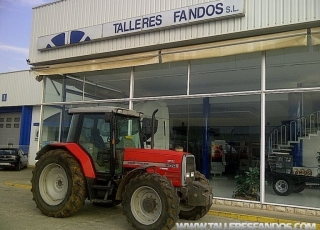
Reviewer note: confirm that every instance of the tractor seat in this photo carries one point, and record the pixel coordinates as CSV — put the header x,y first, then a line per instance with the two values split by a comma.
x,y
97,139
126,142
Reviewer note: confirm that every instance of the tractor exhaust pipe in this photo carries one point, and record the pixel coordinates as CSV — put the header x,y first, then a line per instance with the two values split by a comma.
x,y
153,119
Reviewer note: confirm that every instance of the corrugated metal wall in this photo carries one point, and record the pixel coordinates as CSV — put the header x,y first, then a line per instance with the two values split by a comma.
x,y
21,89
67,15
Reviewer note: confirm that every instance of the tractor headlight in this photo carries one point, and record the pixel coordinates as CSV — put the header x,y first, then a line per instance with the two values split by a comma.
x,y
188,169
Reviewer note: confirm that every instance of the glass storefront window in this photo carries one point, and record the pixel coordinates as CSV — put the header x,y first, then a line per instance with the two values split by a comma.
x,y
235,141
63,88
73,88
106,84
161,80
53,88
297,67
293,153
234,125
51,125
226,74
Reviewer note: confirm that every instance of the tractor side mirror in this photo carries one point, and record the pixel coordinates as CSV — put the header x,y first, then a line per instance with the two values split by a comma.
x,y
146,128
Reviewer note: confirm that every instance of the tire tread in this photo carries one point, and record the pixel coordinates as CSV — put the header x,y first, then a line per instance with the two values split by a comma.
x,y
76,200
169,215
198,211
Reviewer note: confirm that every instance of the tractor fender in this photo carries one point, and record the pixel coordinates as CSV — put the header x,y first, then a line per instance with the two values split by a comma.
x,y
43,150
133,173
76,151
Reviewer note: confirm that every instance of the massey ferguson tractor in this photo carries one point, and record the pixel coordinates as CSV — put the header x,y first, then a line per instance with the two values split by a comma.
x,y
104,160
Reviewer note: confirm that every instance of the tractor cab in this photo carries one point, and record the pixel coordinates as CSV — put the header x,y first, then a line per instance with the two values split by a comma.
x,y
104,132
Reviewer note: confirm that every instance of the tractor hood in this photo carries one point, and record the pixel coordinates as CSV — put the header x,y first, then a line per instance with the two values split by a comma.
x,y
152,157
164,162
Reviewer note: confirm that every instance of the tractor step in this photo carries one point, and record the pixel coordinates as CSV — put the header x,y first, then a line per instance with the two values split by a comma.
x,y
101,187
100,201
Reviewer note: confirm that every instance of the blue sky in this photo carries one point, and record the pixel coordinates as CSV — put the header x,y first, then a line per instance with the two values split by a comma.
x,y
15,30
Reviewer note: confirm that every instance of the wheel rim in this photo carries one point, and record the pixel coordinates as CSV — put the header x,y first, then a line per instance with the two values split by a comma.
x,y
281,186
53,184
146,205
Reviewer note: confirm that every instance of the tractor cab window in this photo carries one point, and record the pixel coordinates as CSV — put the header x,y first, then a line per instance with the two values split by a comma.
x,y
128,132
95,139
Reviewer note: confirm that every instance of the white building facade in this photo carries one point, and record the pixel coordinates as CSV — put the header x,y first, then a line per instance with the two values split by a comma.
x,y
20,112
239,79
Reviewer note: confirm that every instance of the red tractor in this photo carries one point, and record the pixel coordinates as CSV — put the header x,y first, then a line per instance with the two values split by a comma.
x,y
104,161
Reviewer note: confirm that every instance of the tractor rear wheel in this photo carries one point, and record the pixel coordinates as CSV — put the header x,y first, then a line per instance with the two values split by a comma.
x,y
188,212
150,202
58,184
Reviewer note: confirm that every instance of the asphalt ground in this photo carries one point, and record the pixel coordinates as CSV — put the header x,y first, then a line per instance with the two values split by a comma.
x,y
19,211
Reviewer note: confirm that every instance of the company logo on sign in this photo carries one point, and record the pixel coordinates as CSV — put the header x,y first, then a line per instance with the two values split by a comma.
x,y
178,17
62,39
70,37
58,40
78,36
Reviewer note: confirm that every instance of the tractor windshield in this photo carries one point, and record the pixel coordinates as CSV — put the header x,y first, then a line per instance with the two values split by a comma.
x,y
92,132
128,132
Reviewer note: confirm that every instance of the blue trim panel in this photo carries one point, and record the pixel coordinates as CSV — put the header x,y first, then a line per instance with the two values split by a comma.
x,y
25,130
17,109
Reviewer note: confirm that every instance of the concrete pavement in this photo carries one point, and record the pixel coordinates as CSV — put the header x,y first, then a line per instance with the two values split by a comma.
x,y
19,211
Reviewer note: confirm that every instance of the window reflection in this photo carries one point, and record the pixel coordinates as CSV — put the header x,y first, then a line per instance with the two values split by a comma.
x,y
226,74
161,79
293,134
297,67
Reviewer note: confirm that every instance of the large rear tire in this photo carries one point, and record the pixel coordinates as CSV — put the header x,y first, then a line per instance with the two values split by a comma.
x,y
58,184
150,202
188,212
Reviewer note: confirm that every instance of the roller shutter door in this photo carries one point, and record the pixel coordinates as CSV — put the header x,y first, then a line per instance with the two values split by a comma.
x,y
10,129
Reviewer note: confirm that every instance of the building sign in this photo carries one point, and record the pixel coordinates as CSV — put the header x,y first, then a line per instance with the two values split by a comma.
x,y
4,97
36,131
167,19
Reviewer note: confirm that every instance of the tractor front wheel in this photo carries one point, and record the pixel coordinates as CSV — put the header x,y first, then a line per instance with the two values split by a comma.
x,y
150,202
188,212
58,184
